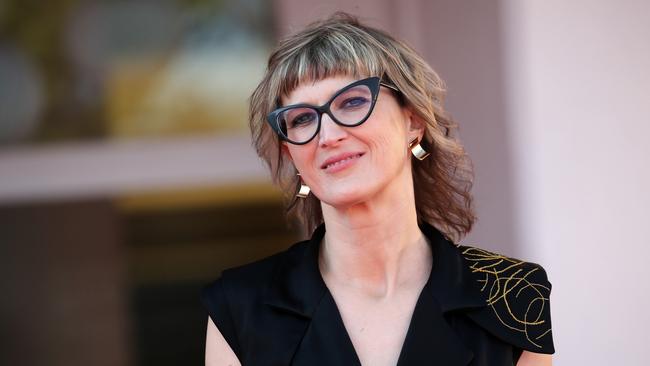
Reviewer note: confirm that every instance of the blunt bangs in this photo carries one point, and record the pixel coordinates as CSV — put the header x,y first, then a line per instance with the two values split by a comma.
x,y
328,54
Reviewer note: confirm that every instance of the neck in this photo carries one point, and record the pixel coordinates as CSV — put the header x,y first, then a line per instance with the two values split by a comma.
x,y
375,246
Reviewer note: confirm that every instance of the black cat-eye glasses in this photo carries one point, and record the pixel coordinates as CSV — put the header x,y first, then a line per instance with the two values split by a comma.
x,y
350,106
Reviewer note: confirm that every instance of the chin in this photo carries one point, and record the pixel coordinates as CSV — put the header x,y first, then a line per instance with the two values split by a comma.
x,y
341,198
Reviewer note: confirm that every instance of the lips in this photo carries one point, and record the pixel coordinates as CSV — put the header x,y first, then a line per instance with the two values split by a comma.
x,y
340,158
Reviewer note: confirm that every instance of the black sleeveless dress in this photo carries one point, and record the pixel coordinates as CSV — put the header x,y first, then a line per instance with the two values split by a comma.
x,y
477,308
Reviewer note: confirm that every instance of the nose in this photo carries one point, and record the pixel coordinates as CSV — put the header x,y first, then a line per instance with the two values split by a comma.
x,y
330,132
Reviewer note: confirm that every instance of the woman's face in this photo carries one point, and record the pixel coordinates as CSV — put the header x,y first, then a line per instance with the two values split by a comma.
x,y
377,150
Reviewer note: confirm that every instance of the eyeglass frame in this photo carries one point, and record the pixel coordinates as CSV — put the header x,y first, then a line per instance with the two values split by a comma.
x,y
373,83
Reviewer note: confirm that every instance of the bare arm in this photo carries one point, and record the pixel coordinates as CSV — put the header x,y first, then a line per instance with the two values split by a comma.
x,y
217,350
534,359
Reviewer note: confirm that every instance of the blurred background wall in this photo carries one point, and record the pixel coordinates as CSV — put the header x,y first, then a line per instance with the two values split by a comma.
x,y
127,180
578,114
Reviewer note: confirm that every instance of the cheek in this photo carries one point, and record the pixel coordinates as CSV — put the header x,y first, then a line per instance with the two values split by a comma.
x,y
388,135
303,159
297,157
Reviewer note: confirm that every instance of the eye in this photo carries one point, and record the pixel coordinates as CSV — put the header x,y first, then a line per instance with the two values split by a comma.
x,y
354,102
302,119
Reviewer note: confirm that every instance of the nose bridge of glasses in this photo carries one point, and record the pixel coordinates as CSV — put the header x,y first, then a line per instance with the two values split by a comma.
x,y
329,128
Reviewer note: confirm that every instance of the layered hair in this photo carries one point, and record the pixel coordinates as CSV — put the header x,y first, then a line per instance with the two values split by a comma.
x,y
341,45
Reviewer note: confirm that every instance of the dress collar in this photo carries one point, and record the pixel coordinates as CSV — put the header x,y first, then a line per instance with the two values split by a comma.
x,y
298,286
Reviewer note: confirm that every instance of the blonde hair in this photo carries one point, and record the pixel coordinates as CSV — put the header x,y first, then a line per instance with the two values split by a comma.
x,y
341,45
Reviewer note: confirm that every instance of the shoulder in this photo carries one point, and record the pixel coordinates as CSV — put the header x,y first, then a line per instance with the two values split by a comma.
x,y
517,298
233,299
496,269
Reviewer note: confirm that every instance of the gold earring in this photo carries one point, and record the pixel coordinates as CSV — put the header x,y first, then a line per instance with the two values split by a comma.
x,y
304,190
417,150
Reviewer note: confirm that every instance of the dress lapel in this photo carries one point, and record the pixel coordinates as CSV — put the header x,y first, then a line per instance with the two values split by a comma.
x,y
299,297
451,282
293,296
327,341
297,285
430,339
450,288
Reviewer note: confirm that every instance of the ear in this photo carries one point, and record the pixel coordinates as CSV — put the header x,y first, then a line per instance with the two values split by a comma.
x,y
284,149
414,125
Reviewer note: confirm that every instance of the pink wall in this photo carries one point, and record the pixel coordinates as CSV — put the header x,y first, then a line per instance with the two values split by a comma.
x,y
578,77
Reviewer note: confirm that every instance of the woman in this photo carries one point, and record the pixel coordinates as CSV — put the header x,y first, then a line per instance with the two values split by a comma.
x,y
352,125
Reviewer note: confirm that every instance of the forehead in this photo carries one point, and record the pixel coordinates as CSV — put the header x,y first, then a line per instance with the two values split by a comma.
x,y
317,91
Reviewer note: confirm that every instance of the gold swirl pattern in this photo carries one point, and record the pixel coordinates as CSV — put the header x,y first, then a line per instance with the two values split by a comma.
x,y
517,291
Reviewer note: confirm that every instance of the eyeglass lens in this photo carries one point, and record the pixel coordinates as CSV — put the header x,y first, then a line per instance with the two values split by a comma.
x,y
300,124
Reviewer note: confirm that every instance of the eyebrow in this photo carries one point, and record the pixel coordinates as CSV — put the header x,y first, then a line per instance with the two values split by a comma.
x,y
280,105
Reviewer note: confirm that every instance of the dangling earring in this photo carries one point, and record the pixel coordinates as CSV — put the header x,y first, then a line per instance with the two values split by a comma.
x,y
304,190
417,149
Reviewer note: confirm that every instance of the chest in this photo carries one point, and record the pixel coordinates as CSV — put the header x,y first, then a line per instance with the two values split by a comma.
x,y
376,328
378,337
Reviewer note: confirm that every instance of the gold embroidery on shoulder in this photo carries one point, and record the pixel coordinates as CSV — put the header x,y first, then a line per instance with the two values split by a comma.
x,y
506,280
